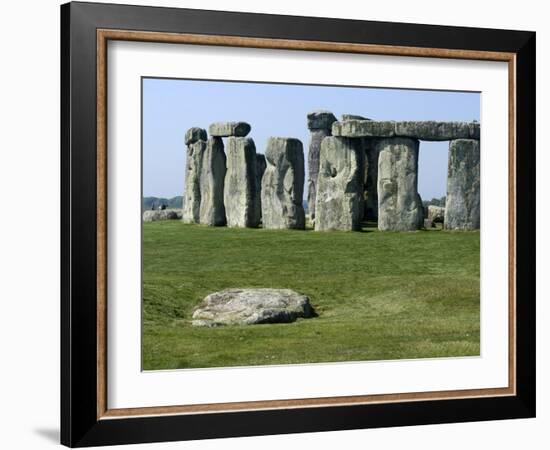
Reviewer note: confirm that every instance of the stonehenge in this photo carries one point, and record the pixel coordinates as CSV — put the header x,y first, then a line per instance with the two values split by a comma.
x,y
397,179
359,170
462,208
283,185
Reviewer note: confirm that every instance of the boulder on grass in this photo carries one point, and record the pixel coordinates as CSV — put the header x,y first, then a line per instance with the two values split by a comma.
x,y
251,306
153,215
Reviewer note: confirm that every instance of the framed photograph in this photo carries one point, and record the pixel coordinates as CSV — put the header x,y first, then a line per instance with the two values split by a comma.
x,y
278,224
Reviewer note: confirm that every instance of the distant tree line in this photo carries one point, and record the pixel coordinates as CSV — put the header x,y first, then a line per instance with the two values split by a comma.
x,y
156,202
177,202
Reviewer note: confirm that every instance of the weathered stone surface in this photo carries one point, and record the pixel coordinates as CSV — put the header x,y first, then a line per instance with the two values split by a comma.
x,y
399,205
252,306
436,213
422,130
192,195
371,183
340,185
226,129
316,137
320,120
153,215
475,130
428,223
353,117
462,206
195,134
212,209
364,128
319,124
437,131
260,169
241,198
283,185
261,165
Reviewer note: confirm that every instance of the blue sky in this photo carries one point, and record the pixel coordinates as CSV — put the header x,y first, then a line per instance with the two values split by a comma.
x,y
172,106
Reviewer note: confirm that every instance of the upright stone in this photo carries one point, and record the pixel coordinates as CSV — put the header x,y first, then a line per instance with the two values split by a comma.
x,y
195,138
340,186
241,199
319,124
283,185
212,210
462,206
399,205
260,169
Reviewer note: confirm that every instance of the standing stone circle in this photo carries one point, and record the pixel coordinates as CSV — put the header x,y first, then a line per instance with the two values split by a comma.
x,y
358,169
212,209
283,185
399,205
241,199
252,306
196,146
226,129
319,124
340,185
462,206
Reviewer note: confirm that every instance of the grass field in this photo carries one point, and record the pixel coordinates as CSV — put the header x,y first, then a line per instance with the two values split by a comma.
x,y
378,295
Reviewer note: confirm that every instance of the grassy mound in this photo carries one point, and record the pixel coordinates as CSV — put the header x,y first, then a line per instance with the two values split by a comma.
x,y
378,295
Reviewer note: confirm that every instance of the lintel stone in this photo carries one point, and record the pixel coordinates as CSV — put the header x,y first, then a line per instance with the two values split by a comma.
x,y
422,130
363,128
226,129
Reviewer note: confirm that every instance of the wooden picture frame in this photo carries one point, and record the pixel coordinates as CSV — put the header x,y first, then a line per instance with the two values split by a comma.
x,y
86,418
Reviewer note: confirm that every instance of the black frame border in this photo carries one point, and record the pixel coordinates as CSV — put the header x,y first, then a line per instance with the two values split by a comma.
x,y
79,423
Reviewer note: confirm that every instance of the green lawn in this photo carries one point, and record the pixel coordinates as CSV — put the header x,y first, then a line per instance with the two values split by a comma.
x,y
379,295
